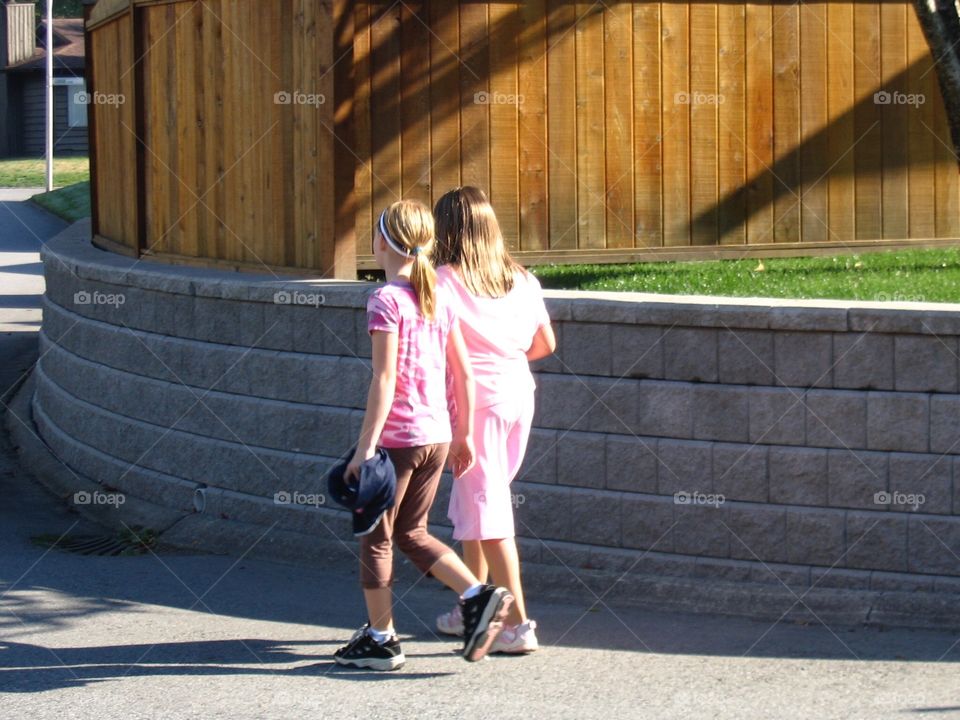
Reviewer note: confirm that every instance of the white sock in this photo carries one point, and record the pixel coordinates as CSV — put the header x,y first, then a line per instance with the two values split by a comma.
x,y
472,591
380,636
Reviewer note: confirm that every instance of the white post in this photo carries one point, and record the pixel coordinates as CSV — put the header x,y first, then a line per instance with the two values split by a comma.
x,y
49,95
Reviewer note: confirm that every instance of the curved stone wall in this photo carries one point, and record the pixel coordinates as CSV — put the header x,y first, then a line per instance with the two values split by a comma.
x,y
796,443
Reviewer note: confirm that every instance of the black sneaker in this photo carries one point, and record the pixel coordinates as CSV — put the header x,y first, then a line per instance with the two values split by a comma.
x,y
483,616
364,652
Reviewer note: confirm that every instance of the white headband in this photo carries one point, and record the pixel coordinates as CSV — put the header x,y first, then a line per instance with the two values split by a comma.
x,y
394,245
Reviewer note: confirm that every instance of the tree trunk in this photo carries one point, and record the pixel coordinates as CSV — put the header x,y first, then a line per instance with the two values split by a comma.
x,y
941,26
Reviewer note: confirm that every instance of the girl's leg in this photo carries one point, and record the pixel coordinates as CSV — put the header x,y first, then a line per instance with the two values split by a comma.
x,y
379,608
505,570
451,571
474,559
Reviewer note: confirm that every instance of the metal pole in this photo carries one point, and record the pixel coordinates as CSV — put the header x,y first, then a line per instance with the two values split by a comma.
x,y
49,95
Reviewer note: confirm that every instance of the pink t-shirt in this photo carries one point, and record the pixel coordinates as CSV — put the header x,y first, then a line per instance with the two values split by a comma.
x,y
419,413
498,332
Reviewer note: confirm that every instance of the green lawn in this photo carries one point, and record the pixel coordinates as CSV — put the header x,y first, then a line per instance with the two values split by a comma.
x,y
908,275
31,172
71,203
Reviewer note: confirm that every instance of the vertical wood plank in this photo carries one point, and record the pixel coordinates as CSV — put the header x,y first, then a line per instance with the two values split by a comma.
x,y
362,130
591,214
731,115
386,117
759,112
947,179
504,120
893,60
675,79
841,182
445,96
618,92
415,104
704,101
814,208
867,155
476,58
920,138
562,124
786,122
343,158
648,146
532,87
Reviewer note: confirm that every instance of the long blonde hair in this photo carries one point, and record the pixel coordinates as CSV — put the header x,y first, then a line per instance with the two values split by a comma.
x,y
409,228
468,235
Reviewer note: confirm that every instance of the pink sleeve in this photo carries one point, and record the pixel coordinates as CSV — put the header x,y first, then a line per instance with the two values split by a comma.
x,y
382,313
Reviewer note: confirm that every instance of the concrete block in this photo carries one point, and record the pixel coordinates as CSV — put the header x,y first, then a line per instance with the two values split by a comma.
x,y
586,348
900,582
777,416
757,532
798,476
581,459
836,419
925,364
802,359
934,545
721,413
839,578
589,403
876,541
920,483
944,423
814,536
700,530
636,351
664,409
795,576
746,357
545,515
863,361
631,463
684,467
740,472
540,460
690,354
898,421
647,523
595,518
856,478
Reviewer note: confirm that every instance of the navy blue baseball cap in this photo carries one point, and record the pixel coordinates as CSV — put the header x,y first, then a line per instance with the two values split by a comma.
x,y
369,498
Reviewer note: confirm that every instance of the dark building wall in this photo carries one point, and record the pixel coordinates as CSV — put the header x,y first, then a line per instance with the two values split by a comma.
x,y
69,141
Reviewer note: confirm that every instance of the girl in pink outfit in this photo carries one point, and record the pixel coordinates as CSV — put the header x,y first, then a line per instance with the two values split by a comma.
x,y
415,338
505,325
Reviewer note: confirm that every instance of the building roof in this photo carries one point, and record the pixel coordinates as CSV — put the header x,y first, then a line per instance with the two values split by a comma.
x,y
68,43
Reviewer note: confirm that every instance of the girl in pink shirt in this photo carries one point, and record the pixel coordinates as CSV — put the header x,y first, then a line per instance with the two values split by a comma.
x,y
415,337
505,325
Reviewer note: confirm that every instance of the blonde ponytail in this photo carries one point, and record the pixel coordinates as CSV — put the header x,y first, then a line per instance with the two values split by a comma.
x,y
407,226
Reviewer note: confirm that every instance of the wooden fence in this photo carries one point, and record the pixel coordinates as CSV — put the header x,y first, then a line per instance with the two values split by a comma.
x,y
271,133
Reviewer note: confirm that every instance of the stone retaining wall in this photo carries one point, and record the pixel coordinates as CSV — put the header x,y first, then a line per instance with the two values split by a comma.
x,y
808,444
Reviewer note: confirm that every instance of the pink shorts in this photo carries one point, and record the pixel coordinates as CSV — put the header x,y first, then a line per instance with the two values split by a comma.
x,y
481,505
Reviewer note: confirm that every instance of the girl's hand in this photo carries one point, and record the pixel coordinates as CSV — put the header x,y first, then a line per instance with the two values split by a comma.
x,y
462,455
353,467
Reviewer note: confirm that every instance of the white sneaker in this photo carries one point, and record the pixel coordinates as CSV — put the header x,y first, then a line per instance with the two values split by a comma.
x,y
451,623
517,639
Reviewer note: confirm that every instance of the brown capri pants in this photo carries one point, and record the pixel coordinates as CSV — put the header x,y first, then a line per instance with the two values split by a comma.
x,y
418,475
